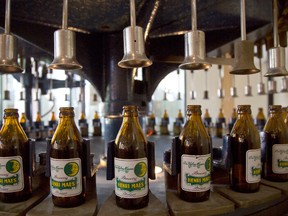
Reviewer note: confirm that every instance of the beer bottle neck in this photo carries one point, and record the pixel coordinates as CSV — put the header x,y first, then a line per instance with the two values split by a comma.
x,y
12,128
130,119
11,120
244,115
194,116
66,119
275,114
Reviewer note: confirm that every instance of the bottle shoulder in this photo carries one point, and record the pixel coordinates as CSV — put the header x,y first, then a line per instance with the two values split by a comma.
x,y
131,131
244,129
130,141
65,134
276,126
12,135
194,129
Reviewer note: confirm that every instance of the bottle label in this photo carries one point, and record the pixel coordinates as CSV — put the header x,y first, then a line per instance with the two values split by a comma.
x,y
131,178
280,158
11,174
253,165
195,172
66,177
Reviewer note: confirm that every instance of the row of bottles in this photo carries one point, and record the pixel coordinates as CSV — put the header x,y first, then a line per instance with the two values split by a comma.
x,y
250,158
217,129
41,130
248,163
165,121
222,127
66,161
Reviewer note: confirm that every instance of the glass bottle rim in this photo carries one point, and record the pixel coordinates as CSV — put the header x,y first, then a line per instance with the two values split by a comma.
x,y
130,110
66,111
193,109
130,107
11,112
193,106
275,108
244,109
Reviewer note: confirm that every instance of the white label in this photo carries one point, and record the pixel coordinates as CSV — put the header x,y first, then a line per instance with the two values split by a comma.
x,y
66,177
195,172
253,166
131,178
280,158
11,174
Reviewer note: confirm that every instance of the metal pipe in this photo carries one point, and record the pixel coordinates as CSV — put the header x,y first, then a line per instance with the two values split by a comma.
x,y
220,76
192,80
260,67
151,19
206,80
51,81
193,15
71,89
260,55
275,23
7,17
28,89
65,14
243,20
132,13
83,107
6,82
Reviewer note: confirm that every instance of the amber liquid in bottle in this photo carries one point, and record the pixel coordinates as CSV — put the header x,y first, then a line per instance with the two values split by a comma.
x,y
14,144
195,149
67,144
130,146
275,147
245,147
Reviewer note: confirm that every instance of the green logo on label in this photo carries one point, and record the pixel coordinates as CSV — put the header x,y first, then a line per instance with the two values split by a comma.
x,y
282,163
12,166
208,164
256,171
71,169
140,169
66,185
13,180
193,180
130,186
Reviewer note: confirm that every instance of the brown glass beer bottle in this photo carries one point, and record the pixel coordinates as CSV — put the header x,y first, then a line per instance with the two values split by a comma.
x,y
195,177
131,165
245,173
66,158
15,181
275,147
